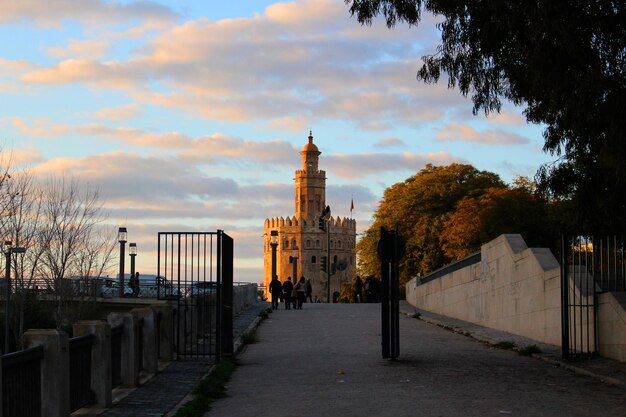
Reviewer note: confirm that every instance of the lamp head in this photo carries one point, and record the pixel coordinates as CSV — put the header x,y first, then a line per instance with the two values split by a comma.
x,y
132,249
121,235
274,236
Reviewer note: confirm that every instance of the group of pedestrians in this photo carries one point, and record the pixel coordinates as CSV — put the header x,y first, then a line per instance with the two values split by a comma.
x,y
292,294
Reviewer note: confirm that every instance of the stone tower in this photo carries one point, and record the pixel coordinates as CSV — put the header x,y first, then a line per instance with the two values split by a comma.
x,y
301,244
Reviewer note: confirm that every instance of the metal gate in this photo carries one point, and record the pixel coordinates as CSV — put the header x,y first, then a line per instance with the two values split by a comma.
x,y
197,272
589,265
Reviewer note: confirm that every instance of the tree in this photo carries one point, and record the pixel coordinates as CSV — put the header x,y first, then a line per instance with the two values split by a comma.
x,y
564,60
418,208
478,220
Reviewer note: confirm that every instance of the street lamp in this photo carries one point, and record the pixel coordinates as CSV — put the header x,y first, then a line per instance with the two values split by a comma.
x,y
294,260
132,252
121,237
273,244
8,250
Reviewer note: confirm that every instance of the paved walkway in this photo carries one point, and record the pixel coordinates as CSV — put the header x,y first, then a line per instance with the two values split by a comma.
x,y
325,361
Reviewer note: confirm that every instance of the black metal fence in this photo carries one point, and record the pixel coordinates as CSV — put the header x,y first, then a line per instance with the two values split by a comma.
x,y
589,265
116,355
21,383
200,267
80,371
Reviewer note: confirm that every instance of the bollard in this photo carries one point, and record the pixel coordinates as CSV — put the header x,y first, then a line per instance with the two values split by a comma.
x,y
130,363
100,358
55,370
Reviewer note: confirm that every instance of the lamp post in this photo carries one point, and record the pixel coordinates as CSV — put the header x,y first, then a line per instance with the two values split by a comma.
x,y
8,250
121,237
132,252
273,244
294,259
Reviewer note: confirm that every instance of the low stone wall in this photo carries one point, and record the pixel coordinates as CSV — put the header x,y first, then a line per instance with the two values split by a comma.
x,y
513,288
612,325
244,295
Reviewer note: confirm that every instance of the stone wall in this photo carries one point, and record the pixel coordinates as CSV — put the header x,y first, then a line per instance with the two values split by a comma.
x,y
612,325
513,288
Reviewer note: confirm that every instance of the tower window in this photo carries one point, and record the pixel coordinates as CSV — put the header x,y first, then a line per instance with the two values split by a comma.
x,y
339,244
293,244
317,243
313,259
286,243
308,243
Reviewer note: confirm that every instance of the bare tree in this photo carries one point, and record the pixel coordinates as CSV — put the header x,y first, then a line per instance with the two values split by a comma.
x,y
71,239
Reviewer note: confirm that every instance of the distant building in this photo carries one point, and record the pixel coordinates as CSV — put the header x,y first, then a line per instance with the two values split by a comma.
x,y
300,240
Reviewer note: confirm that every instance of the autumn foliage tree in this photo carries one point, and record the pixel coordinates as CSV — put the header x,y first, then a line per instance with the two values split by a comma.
x,y
445,213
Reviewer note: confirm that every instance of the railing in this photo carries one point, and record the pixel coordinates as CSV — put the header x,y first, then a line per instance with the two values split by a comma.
x,y
448,269
21,383
116,355
80,371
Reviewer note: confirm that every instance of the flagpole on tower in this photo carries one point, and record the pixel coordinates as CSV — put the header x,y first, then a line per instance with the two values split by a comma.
x,y
351,205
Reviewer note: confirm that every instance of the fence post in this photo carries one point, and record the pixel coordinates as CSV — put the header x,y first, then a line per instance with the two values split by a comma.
x,y
1,385
166,332
100,358
55,370
148,333
130,339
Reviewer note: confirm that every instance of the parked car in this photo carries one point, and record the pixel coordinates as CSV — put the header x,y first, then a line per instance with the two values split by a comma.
x,y
95,286
151,286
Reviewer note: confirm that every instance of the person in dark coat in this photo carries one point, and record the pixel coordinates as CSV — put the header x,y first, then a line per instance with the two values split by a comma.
x,y
287,289
276,289
301,289
309,291
358,290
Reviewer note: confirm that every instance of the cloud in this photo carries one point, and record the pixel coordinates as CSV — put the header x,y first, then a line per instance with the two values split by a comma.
x,y
120,113
506,118
91,12
389,143
298,62
465,133
85,49
366,164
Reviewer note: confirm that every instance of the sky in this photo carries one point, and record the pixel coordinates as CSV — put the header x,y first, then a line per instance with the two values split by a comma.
x,y
190,115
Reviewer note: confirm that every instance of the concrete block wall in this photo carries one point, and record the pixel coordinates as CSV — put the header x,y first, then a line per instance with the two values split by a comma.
x,y
514,288
612,325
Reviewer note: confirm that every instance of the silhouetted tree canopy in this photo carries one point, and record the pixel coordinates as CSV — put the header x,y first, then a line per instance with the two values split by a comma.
x,y
565,61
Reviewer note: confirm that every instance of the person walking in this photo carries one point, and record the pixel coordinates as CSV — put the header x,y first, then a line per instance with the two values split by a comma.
x,y
276,289
301,289
287,289
309,291
358,290
133,283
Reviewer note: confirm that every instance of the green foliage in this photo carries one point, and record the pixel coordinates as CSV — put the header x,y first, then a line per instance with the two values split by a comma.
x,y
263,314
211,388
505,345
565,61
447,213
529,350
418,208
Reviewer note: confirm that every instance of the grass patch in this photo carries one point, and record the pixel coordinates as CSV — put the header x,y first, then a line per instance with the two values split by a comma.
x,y
505,345
263,314
416,315
248,338
209,389
529,350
